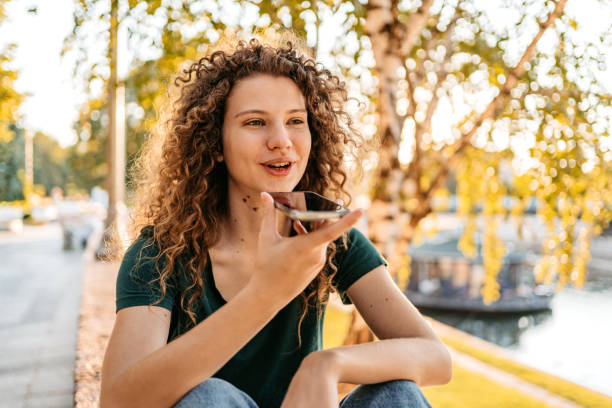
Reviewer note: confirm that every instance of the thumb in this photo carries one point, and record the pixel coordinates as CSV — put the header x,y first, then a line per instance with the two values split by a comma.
x,y
267,230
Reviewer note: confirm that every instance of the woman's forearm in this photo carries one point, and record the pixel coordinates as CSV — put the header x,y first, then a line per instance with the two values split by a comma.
x,y
425,361
164,376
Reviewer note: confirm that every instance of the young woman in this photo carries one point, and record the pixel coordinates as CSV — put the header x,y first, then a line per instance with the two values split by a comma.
x,y
216,308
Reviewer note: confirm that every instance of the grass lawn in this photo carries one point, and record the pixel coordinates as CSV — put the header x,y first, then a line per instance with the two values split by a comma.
x,y
468,389
566,389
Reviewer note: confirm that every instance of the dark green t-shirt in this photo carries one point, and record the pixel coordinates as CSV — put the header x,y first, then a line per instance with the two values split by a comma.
x,y
264,367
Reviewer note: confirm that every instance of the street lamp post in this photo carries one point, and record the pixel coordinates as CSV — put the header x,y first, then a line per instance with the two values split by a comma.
x,y
115,151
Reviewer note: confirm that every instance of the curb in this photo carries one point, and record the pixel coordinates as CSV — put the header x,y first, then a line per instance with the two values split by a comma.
x,y
96,319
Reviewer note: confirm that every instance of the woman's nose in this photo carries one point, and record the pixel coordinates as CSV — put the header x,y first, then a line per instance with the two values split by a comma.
x,y
279,138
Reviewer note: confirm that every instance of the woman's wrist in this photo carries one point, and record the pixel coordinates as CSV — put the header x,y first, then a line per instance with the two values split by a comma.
x,y
270,302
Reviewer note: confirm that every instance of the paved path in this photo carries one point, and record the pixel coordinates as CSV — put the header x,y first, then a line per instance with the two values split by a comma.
x,y
40,288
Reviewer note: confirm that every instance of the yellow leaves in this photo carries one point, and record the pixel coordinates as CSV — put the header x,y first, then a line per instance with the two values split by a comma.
x,y
546,269
583,255
190,53
5,134
417,237
497,74
478,182
493,252
153,5
490,289
403,273
466,243
562,119
469,191
443,196
493,248
566,251
10,100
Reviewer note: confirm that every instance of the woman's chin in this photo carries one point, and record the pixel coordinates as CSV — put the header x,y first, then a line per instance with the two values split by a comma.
x,y
279,187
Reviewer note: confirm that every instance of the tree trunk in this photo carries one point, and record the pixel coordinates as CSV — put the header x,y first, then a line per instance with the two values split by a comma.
x,y
391,42
114,231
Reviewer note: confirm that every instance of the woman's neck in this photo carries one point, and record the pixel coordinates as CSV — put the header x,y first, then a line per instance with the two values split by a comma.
x,y
241,226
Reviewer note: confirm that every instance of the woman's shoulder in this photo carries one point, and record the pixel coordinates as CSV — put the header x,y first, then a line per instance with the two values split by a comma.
x,y
353,239
358,252
141,253
353,260
143,242
138,279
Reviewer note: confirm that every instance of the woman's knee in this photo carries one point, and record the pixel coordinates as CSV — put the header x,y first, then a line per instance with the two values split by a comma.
x,y
216,392
389,394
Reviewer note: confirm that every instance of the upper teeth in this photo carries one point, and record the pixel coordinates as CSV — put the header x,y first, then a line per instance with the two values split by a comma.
x,y
279,164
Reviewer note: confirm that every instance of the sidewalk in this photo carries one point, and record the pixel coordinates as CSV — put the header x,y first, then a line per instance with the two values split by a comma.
x,y
40,288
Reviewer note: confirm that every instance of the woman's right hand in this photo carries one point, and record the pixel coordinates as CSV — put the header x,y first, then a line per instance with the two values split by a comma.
x,y
284,266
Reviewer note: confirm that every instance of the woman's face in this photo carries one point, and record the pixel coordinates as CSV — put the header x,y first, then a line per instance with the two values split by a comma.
x,y
266,139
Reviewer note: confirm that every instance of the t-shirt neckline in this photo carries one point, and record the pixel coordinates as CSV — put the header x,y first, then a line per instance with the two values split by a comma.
x,y
211,279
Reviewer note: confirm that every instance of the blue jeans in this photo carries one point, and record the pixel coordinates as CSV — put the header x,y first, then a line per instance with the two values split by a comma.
x,y
218,393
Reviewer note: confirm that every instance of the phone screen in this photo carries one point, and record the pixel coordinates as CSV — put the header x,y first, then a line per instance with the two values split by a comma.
x,y
307,206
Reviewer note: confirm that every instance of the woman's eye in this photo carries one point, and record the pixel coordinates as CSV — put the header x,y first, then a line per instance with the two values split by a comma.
x,y
255,122
296,121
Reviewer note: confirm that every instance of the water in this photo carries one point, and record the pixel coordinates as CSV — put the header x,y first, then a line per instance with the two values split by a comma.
x,y
573,340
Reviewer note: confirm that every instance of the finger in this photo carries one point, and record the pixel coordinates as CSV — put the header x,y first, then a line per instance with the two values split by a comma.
x,y
299,227
318,224
330,232
267,230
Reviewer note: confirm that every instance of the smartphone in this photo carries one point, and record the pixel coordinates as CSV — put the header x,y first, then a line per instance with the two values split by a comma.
x,y
308,206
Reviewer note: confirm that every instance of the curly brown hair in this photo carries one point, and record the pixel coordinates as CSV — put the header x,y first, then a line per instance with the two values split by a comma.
x,y
181,190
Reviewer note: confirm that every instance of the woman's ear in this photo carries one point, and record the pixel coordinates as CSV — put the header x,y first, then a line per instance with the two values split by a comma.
x,y
219,157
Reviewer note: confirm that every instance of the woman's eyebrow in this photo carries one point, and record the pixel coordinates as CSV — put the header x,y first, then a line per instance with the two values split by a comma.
x,y
258,111
249,111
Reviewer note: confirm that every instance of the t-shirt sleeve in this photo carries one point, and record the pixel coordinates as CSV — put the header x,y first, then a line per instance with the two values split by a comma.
x,y
138,278
359,258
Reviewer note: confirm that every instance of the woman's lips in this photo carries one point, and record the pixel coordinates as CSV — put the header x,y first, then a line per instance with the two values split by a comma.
x,y
278,171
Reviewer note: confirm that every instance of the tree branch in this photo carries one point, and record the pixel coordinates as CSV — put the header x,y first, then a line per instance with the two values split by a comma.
x,y
496,103
414,27
441,74
415,169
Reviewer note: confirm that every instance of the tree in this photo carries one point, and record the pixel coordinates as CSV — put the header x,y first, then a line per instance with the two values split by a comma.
x,y
50,168
529,120
10,100
12,163
148,77
508,98
530,88
86,159
11,137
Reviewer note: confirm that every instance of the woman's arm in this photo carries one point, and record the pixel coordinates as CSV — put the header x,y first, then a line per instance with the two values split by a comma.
x,y
408,347
140,369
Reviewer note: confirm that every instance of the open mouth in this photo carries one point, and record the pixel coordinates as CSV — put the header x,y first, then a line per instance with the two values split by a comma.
x,y
279,165
279,169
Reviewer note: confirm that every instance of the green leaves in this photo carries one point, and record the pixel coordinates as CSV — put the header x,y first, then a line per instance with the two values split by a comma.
x,y
10,99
